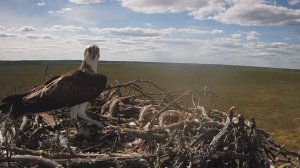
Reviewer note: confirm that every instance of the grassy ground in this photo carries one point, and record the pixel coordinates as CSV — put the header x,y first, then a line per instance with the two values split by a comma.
x,y
272,96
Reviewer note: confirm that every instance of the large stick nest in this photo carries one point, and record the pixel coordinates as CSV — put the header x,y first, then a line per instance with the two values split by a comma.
x,y
143,129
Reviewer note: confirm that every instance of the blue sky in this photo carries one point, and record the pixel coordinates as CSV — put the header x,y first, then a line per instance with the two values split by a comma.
x,y
262,33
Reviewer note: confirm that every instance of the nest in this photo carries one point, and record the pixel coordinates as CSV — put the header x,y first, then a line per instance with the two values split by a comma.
x,y
143,129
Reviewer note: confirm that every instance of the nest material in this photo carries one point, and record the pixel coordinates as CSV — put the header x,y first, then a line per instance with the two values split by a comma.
x,y
143,129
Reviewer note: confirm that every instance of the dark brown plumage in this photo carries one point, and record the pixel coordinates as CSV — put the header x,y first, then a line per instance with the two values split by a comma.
x,y
66,90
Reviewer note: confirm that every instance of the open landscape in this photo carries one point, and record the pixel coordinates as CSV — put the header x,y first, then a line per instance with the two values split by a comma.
x,y
270,95
208,84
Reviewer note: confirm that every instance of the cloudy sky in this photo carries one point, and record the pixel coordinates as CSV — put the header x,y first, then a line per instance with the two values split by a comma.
x,y
263,33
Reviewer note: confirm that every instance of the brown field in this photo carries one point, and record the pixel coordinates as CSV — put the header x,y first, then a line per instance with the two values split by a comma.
x,y
272,96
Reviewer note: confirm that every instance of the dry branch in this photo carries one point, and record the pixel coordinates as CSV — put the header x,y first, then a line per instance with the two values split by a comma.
x,y
146,135
138,122
36,159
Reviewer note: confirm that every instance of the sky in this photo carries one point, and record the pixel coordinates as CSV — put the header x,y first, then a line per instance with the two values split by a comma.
x,y
263,33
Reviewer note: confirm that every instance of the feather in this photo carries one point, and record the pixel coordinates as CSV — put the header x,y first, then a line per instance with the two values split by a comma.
x,y
65,90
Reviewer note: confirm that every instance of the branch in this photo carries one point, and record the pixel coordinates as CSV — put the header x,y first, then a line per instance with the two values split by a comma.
x,y
38,159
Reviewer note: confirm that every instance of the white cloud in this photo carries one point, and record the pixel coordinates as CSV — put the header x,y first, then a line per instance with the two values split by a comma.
x,y
85,2
236,35
217,31
27,28
259,14
198,31
41,4
252,36
206,12
192,31
131,31
293,2
246,13
168,48
34,49
70,28
2,28
23,29
26,36
147,32
278,50
157,6
272,45
11,29
87,39
38,36
7,35
172,41
219,43
64,10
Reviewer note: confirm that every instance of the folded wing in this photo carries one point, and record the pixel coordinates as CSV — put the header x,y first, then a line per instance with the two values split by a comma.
x,y
62,91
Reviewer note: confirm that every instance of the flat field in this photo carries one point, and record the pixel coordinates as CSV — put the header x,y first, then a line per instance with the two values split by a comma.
x,y
272,96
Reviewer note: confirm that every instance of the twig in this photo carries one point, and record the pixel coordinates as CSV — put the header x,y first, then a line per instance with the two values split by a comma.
x,y
24,123
165,108
135,81
38,159
138,160
216,141
46,72
146,135
130,88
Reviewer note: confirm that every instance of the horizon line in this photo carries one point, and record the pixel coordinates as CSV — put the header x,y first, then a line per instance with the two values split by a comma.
x,y
160,62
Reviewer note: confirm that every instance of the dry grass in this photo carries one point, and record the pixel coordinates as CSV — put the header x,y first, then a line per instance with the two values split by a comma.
x,y
272,96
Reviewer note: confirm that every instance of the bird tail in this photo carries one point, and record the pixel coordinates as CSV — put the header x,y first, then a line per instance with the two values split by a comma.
x,y
5,107
11,104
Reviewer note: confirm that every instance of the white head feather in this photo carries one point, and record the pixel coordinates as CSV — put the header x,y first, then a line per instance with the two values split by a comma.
x,y
91,57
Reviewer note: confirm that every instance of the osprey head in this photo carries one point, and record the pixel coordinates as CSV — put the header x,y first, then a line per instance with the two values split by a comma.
x,y
91,53
91,57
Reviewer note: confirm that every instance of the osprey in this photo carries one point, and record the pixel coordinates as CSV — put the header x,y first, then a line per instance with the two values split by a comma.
x,y
72,89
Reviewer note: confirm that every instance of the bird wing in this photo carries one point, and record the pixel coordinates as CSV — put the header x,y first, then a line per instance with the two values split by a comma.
x,y
51,79
16,97
44,84
64,91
